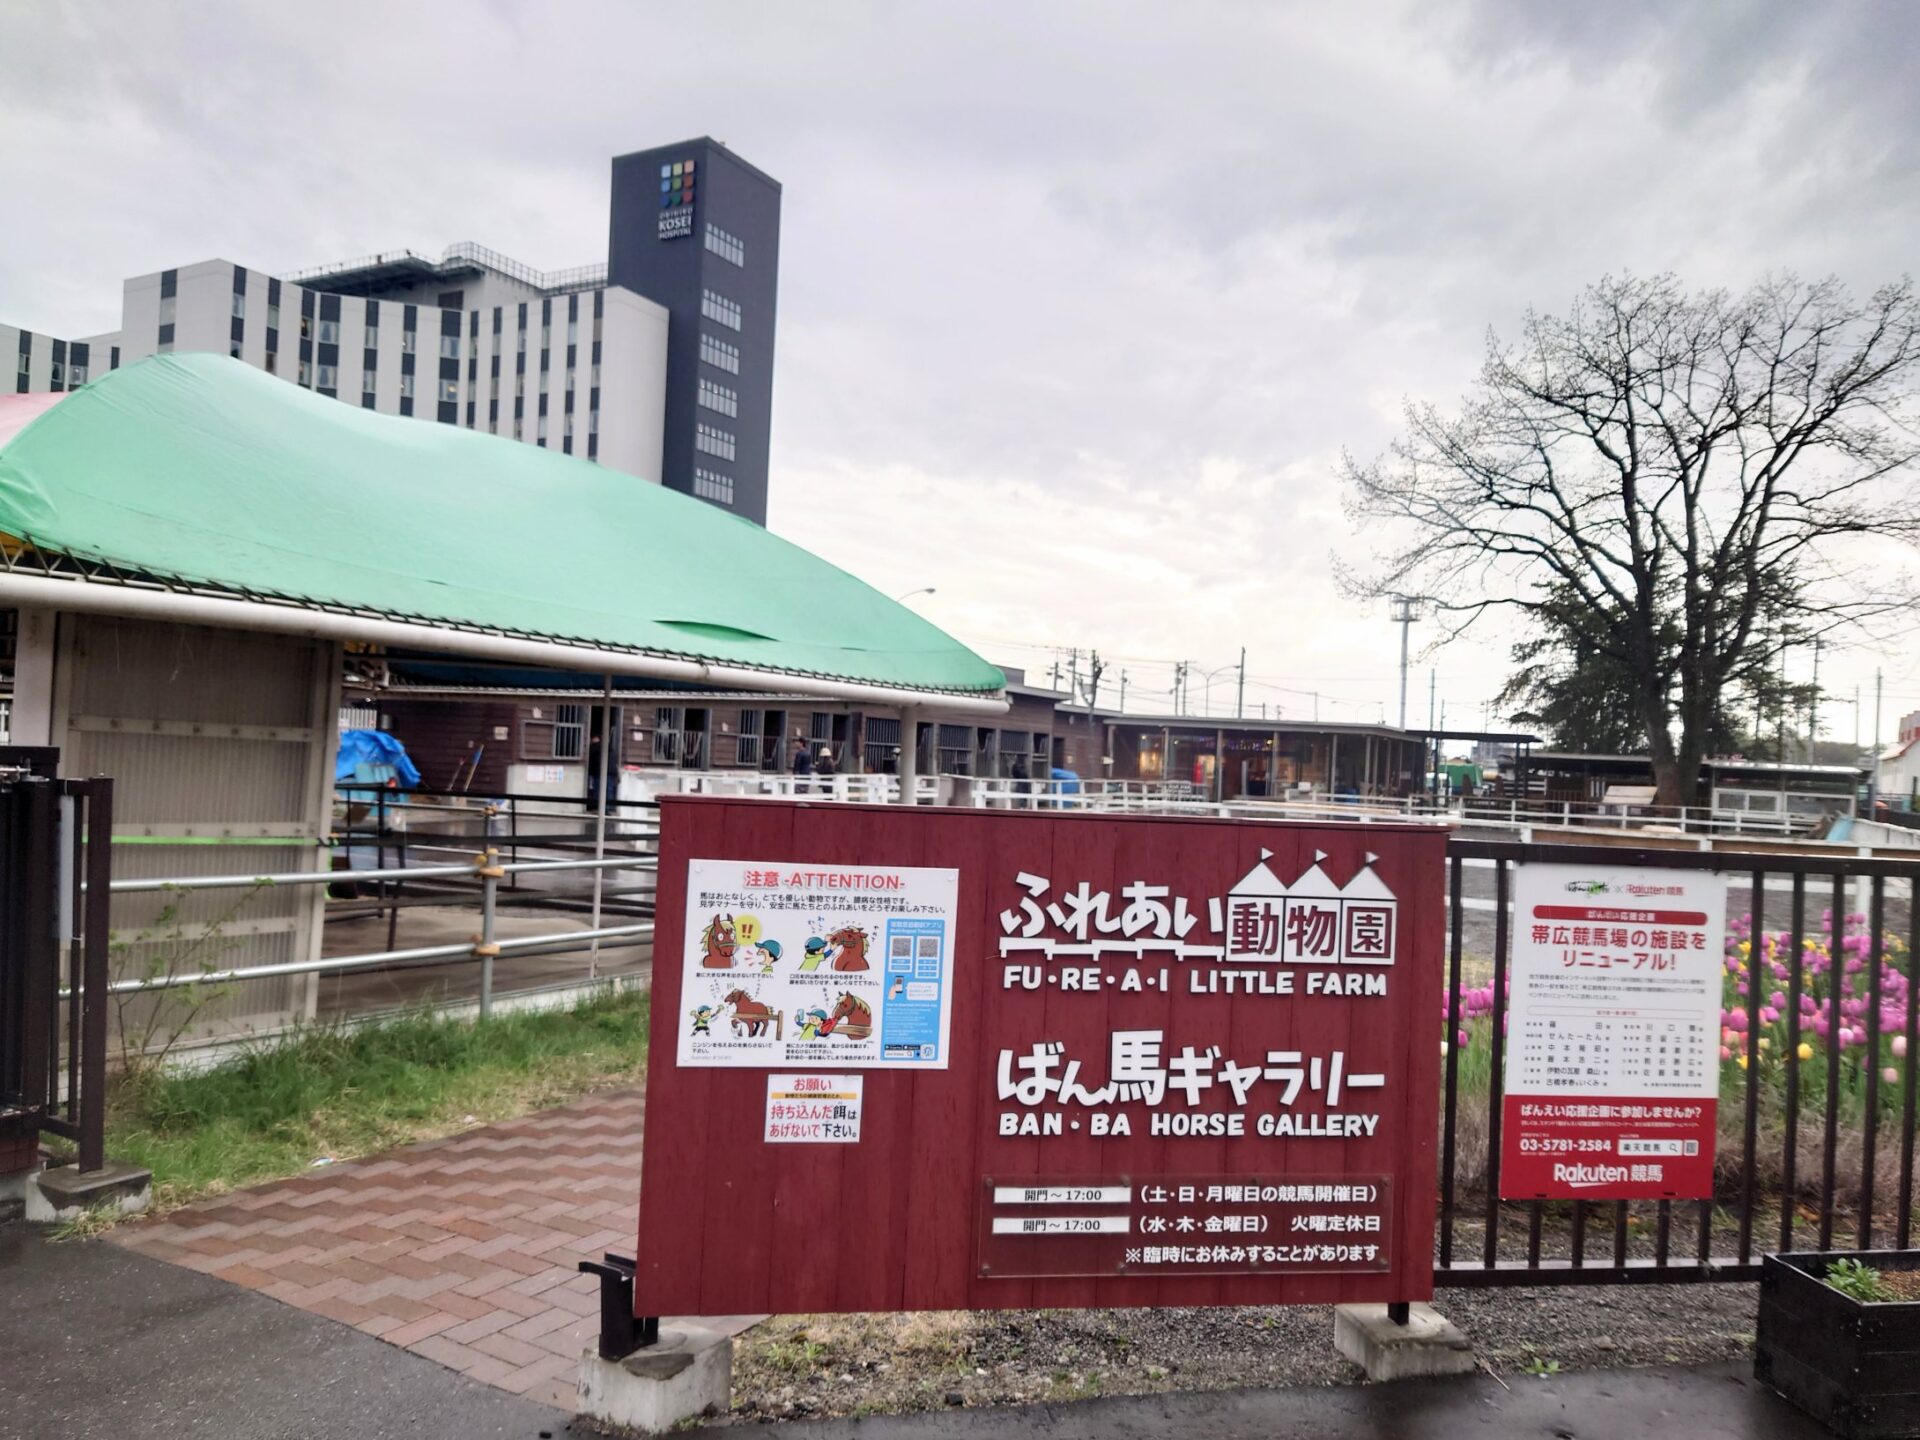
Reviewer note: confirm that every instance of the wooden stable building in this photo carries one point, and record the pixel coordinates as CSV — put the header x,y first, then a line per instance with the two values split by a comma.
x,y
491,730
1730,783
538,733
1263,759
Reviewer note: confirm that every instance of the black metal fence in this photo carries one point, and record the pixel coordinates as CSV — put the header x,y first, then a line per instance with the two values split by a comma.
x,y
388,828
1817,1105
55,868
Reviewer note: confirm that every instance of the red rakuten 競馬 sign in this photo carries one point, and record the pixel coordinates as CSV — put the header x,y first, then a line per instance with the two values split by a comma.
x,y
944,1059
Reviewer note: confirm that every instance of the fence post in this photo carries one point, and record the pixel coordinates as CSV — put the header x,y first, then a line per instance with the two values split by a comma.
x,y
608,740
93,995
490,873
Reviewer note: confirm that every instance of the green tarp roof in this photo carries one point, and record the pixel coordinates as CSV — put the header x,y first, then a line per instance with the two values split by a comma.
x,y
200,469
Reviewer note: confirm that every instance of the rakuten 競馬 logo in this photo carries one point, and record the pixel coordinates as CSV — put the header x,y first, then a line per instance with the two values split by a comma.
x,y
1579,1175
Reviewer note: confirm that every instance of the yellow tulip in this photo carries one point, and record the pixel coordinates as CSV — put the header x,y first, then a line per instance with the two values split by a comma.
x,y
1766,1043
1743,1062
1806,1051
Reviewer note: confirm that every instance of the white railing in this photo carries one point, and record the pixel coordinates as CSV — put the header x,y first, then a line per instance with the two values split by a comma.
x,y
777,785
1174,797
996,792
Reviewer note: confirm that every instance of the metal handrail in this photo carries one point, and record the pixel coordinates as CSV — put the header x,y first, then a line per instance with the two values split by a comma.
x,y
485,948
387,959
153,884
378,788
582,277
477,866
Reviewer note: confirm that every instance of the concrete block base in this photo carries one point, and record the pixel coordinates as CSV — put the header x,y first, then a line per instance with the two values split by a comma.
x,y
1428,1344
690,1372
64,1192
13,1192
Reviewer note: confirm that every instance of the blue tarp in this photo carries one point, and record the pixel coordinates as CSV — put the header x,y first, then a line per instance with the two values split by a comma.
x,y
373,757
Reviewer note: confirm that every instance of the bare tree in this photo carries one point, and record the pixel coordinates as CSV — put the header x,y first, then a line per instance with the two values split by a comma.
x,y
1696,474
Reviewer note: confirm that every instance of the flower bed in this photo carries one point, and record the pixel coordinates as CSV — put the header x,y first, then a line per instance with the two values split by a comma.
x,y
1786,1036
1852,1364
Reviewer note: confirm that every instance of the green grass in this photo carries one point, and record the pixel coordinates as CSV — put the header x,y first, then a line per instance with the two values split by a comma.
x,y
332,1094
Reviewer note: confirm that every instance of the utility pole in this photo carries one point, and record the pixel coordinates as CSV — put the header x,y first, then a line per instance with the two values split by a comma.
x,y
1405,611
1179,687
1123,692
1056,672
1780,716
1073,675
1856,717
1095,668
1813,702
1433,719
1873,775
1240,700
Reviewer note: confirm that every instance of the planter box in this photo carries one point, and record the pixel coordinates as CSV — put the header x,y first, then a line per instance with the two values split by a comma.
x,y
1852,1366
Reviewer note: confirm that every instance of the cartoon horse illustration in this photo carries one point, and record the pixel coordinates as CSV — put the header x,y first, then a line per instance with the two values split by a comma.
x,y
852,1017
753,1017
718,940
849,944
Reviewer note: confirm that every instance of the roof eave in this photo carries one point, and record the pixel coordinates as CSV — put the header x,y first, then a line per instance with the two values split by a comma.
x,y
110,598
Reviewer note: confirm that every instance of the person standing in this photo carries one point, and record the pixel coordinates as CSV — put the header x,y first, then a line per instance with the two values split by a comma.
x,y
802,763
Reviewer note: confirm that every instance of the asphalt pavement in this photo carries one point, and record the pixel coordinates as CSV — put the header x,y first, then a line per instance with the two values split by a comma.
x,y
99,1343
1719,1402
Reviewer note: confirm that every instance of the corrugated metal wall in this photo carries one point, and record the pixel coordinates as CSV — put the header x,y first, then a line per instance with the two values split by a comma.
x,y
220,744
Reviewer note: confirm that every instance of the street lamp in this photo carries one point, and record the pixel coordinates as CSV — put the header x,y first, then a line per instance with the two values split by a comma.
x,y
923,590
1206,691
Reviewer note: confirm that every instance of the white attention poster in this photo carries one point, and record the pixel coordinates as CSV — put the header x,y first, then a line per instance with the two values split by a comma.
x,y
817,967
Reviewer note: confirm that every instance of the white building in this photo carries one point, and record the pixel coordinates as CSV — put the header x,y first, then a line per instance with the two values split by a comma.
x,y
657,362
559,360
1897,772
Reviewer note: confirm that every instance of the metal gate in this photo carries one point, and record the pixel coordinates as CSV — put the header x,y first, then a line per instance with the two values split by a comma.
x,y
55,867
1823,1148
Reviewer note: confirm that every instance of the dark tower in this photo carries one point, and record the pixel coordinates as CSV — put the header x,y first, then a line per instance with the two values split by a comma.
x,y
697,230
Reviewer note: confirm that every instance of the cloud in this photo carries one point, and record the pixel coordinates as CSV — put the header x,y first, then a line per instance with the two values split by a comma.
x,y
1079,302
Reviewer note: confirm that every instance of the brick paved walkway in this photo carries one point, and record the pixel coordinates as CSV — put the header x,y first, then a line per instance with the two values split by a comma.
x,y
463,1250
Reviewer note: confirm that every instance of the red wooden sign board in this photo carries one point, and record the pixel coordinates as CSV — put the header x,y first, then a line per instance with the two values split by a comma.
x,y
1183,1061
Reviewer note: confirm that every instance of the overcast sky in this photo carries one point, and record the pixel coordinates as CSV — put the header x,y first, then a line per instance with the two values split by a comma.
x,y
1079,302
